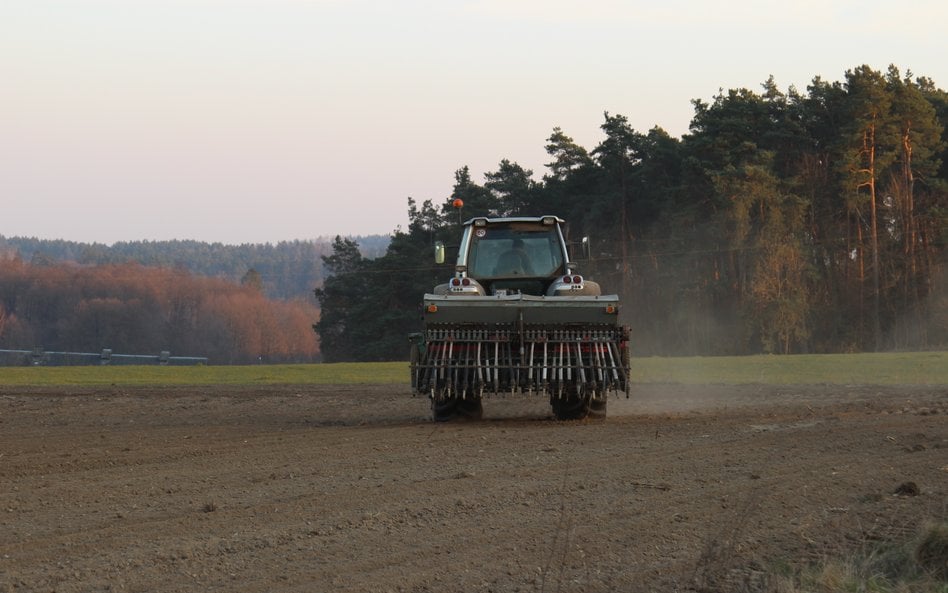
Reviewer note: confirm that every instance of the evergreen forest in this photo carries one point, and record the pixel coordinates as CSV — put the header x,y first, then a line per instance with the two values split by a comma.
x,y
783,222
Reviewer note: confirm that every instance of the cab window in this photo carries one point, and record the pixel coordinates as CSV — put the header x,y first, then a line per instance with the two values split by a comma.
x,y
512,252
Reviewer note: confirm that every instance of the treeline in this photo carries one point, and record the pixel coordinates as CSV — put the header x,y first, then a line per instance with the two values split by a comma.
x,y
287,269
134,309
783,222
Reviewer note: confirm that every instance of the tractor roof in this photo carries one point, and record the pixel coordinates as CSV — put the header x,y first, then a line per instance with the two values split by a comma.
x,y
483,220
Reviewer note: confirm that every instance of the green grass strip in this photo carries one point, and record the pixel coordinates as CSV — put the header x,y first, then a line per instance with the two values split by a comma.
x,y
300,374
889,368
900,368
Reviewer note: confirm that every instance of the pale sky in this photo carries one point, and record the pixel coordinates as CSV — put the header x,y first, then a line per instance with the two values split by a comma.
x,y
248,121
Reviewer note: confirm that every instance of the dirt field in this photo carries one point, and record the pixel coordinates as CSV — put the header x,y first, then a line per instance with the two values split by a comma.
x,y
316,489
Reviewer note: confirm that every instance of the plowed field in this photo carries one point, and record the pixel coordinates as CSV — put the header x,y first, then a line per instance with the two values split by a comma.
x,y
682,488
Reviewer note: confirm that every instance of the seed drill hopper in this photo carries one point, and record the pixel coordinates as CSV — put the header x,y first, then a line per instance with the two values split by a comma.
x,y
518,317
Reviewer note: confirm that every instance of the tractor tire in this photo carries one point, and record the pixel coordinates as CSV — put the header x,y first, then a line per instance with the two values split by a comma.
x,y
597,408
570,407
454,408
578,407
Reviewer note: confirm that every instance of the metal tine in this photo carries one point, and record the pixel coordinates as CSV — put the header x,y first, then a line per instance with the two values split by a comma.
x,y
457,361
600,359
442,349
480,369
579,361
508,361
504,359
491,361
539,362
471,372
477,364
498,364
559,365
485,360
612,362
428,366
569,363
593,359
590,358
623,373
488,378
541,359
452,369
466,371
446,354
533,344
426,361
439,364
461,363
591,348
554,384
535,358
567,356
545,362
516,368
607,361
441,361
517,356
607,379
435,362
468,361
550,355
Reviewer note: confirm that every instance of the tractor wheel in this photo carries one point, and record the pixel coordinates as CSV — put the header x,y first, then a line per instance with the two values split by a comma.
x,y
570,407
578,407
597,408
455,408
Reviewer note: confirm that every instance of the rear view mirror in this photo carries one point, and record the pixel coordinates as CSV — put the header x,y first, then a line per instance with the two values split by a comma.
x,y
439,252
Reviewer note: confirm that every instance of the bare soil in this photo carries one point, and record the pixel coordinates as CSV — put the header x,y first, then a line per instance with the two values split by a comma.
x,y
301,488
